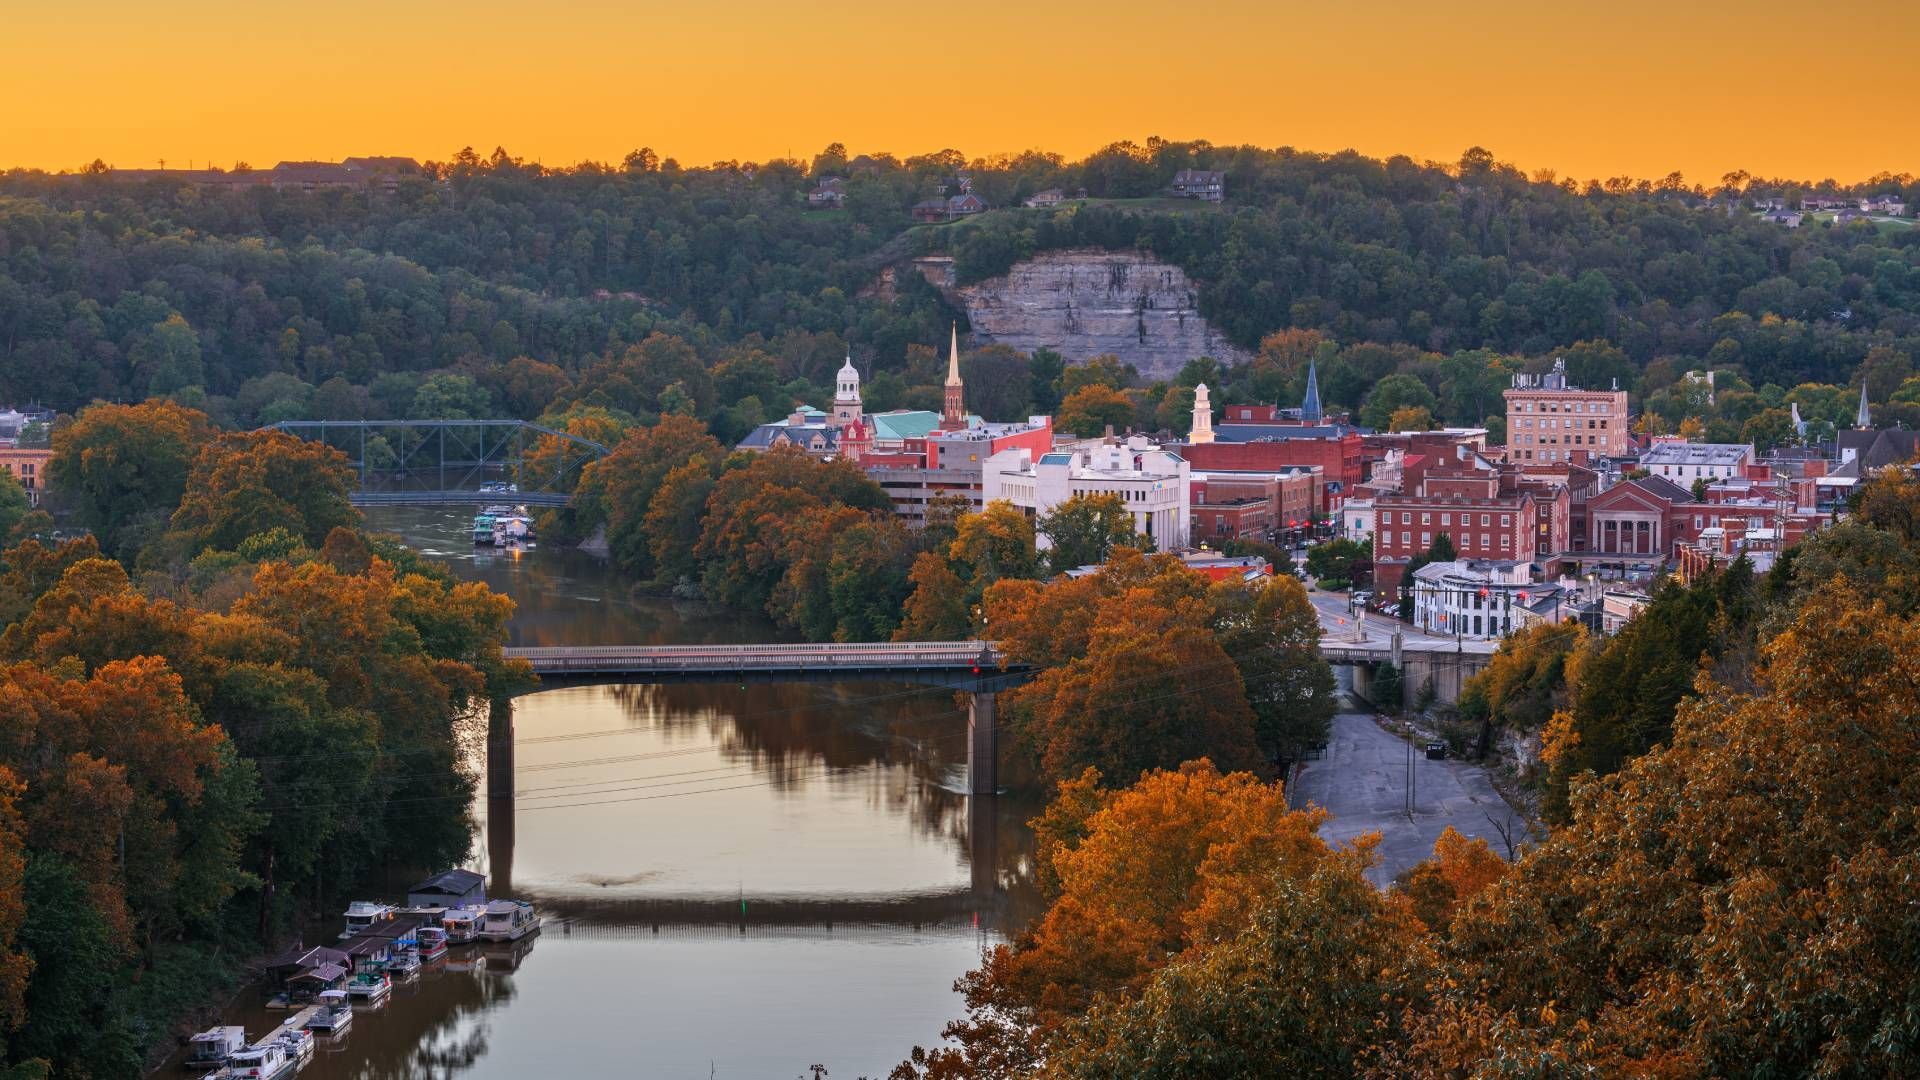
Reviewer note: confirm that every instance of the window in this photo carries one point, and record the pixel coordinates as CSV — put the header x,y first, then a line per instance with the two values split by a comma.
x,y
1426,539
1506,520
1486,542
1446,519
1506,541
1426,519
1406,538
1484,520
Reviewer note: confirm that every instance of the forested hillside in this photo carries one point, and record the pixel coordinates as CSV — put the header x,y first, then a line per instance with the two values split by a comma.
x,y
261,305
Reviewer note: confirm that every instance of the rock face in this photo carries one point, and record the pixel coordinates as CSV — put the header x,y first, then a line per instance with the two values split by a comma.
x,y
1084,303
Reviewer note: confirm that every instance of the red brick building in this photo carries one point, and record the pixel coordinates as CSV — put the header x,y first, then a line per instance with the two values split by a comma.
x,y
1497,527
1231,505
1639,521
1338,459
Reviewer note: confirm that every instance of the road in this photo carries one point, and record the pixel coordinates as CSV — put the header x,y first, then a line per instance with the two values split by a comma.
x,y
1362,784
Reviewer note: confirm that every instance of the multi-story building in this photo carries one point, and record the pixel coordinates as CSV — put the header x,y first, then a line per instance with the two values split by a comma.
x,y
1550,421
1499,527
1637,523
1153,484
29,466
1236,505
1684,462
1476,598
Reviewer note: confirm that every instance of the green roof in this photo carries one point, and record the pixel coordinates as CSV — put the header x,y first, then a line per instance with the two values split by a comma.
x,y
905,424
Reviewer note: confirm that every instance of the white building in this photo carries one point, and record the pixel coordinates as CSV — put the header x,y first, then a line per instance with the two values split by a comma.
x,y
1356,520
1475,598
1152,483
1685,462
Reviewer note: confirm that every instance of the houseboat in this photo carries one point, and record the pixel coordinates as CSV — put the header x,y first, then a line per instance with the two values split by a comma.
x,y
212,1047
296,1043
267,1061
405,959
483,528
513,527
508,920
371,987
334,1016
362,915
433,943
462,925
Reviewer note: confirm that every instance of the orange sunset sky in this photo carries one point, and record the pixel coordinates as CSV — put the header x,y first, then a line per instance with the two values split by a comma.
x,y
1590,90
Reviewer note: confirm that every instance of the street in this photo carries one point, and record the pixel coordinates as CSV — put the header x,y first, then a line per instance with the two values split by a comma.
x,y
1362,784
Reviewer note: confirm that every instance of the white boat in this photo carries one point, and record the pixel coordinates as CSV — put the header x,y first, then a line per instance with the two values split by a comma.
x,y
433,942
513,527
266,1061
462,924
508,920
335,1014
405,962
370,986
212,1047
362,914
296,1042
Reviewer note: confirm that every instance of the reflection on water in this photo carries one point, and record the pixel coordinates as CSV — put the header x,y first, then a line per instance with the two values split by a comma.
x,y
738,880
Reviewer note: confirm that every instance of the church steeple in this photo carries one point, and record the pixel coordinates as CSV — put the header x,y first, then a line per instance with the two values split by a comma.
x,y
953,403
1310,407
1864,420
846,395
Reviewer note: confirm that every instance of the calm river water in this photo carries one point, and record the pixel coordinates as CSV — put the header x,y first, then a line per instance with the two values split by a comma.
x,y
738,880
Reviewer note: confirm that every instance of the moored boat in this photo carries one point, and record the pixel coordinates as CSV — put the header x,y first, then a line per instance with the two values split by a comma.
x,y
265,1061
483,528
433,942
296,1042
508,920
362,915
212,1047
462,925
370,986
335,1014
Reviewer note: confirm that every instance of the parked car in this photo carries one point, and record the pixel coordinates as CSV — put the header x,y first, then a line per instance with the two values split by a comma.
x,y
1436,751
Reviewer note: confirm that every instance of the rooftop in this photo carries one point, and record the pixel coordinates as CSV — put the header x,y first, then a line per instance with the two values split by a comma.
x,y
1727,454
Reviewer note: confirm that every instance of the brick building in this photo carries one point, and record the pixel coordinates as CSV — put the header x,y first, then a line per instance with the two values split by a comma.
x,y
1231,505
29,466
1550,421
1638,522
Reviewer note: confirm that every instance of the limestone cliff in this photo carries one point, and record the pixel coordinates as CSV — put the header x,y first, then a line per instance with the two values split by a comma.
x,y
1084,303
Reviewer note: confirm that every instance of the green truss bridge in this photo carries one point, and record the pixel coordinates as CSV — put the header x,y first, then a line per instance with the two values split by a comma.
x,y
441,462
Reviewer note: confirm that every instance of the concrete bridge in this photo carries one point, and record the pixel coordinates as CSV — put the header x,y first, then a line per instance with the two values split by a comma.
x,y
969,667
1421,658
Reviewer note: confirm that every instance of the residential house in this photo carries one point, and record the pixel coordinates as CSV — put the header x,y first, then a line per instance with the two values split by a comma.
x,y
1204,184
829,194
1042,200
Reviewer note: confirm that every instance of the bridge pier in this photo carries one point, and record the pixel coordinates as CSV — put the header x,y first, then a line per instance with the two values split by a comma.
x,y
500,823
983,744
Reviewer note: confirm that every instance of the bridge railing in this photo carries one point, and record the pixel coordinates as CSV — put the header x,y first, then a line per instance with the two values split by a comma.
x,y
709,657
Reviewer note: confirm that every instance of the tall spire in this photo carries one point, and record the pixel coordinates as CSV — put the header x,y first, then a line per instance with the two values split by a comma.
x,y
1863,421
1310,407
953,403
953,358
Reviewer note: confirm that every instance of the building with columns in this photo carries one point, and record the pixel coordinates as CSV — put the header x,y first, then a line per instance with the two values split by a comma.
x,y
1638,521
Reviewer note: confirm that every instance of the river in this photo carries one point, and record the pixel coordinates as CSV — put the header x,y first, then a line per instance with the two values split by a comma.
x,y
738,880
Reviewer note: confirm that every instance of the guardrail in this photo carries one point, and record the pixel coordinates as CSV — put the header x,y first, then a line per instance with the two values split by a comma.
x,y
876,656
458,498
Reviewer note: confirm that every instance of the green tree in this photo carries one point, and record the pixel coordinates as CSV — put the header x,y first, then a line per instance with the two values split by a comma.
x,y
123,468
1085,528
1393,393
1272,632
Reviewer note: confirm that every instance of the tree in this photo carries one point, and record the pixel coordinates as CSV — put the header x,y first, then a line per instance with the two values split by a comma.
x,y
1338,560
1411,418
248,483
446,396
14,506
1387,691
1144,873
1393,393
617,491
1094,408
1084,529
937,609
1272,632
169,357
123,468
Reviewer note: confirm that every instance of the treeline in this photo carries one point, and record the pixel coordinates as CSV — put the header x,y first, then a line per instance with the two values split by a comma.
x,y
1727,891
259,306
221,708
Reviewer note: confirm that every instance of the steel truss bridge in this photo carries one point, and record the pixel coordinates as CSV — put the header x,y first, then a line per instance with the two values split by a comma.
x,y
417,462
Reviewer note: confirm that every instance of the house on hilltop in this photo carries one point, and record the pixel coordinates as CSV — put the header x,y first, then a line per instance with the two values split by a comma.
x,y
1208,185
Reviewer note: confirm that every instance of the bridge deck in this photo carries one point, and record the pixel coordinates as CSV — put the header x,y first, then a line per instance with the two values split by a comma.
x,y
459,498
704,659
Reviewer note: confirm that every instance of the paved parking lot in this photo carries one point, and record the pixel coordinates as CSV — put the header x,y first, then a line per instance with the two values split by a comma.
x,y
1363,784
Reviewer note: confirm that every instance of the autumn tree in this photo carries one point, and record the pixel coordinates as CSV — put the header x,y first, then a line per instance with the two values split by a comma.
x,y
246,483
1093,408
1145,874
1411,418
123,468
617,491
1272,633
